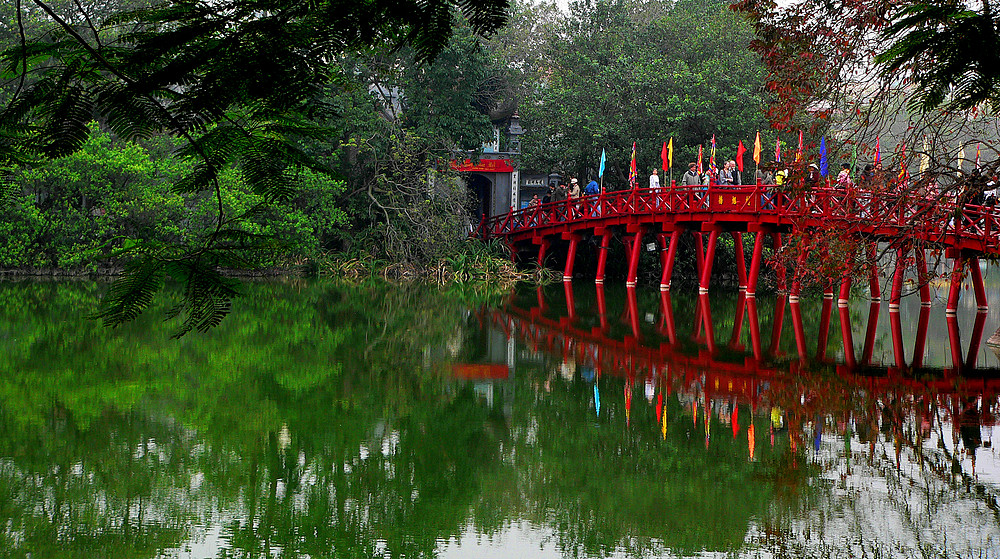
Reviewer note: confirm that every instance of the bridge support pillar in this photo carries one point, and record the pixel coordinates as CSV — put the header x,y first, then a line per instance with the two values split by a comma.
x,y
778,324
957,271
574,242
873,286
543,245
845,334
699,248
869,347
824,328
896,326
706,270
602,257
758,248
845,290
780,270
668,262
799,329
741,261
923,281
897,279
800,264
977,284
921,338
633,259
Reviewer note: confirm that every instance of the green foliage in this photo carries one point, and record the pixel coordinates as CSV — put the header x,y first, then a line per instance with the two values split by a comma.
x,y
950,52
618,73
236,82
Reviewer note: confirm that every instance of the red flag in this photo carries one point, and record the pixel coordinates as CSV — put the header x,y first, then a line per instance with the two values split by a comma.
x,y
665,158
633,175
700,166
777,150
798,156
740,150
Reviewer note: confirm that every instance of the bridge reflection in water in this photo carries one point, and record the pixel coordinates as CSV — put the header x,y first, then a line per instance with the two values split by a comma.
x,y
828,382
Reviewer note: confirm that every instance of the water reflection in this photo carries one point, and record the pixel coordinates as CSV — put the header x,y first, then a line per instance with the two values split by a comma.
x,y
325,421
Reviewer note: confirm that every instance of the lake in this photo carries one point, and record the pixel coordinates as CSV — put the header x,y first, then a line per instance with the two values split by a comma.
x,y
326,420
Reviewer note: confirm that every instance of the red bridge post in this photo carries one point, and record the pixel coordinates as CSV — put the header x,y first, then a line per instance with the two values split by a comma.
x,y
741,262
758,248
668,268
706,271
824,328
896,326
921,339
845,333
780,268
977,284
897,278
779,321
543,245
957,271
574,240
869,347
633,258
922,278
873,283
602,254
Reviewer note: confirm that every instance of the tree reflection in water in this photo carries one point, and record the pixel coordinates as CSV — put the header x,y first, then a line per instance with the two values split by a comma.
x,y
329,422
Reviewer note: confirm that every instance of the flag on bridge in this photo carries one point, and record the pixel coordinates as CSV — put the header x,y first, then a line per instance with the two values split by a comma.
x,y
777,150
824,165
670,153
600,170
632,174
740,150
756,149
665,158
711,158
798,156
701,168
878,153
977,155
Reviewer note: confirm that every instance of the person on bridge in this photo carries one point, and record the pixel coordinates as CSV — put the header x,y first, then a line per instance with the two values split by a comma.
x,y
844,177
592,187
654,187
691,177
726,174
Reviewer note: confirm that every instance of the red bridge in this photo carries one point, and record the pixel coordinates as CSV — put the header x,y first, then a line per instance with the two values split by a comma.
x,y
906,223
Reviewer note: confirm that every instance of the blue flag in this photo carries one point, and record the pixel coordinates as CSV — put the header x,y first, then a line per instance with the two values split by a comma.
x,y
600,171
824,167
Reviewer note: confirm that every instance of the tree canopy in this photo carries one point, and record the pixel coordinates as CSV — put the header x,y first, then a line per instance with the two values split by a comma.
x,y
240,84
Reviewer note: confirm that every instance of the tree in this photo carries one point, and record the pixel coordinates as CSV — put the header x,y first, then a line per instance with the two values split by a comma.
x,y
917,78
236,81
618,72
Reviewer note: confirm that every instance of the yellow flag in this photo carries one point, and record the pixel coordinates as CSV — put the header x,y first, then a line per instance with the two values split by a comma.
x,y
756,149
670,153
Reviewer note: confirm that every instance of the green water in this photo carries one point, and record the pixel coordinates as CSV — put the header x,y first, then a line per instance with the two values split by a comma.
x,y
326,421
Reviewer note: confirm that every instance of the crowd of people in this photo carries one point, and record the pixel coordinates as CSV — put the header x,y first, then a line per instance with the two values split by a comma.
x,y
978,189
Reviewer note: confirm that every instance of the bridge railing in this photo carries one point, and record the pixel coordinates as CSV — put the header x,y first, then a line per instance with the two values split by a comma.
x,y
930,217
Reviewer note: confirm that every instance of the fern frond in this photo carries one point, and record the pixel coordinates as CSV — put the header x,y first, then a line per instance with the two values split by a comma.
x,y
132,292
